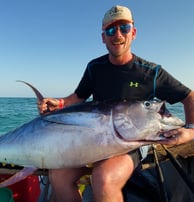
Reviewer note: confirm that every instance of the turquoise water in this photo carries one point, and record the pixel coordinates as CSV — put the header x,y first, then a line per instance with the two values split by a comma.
x,y
17,111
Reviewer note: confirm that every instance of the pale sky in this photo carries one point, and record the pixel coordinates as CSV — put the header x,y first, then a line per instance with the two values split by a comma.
x,y
48,43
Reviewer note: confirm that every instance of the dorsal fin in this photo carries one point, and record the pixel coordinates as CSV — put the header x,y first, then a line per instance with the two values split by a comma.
x,y
38,94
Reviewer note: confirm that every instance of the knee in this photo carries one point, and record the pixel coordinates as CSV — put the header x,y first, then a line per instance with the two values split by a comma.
x,y
102,181
61,177
69,176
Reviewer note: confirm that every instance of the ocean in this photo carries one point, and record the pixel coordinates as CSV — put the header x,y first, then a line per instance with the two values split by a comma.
x,y
17,111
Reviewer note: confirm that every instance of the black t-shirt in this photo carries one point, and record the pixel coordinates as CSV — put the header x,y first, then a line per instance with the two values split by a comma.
x,y
136,80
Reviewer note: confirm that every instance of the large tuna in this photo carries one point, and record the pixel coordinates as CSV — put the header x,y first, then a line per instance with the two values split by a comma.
x,y
84,133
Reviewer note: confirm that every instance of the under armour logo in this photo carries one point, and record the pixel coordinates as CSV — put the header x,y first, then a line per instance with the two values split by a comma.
x,y
133,84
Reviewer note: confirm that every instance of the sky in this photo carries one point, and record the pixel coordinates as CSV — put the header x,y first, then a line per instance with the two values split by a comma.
x,y
48,43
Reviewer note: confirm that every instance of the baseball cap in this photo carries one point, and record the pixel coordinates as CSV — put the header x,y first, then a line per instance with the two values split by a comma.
x,y
116,13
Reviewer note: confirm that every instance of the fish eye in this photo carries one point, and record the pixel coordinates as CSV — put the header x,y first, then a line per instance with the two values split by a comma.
x,y
147,104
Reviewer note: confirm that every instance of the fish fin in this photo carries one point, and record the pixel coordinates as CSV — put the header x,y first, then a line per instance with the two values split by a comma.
x,y
26,171
38,94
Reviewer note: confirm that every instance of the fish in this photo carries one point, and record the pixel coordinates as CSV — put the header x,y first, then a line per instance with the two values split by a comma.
x,y
84,133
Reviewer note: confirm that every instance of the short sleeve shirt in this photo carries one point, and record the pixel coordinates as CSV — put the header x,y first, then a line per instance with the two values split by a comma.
x,y
136,80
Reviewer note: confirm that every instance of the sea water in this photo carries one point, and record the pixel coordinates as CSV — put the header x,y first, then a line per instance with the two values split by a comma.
x,y
17,111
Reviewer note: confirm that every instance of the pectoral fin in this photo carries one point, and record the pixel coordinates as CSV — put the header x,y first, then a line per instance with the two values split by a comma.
x,y
26,171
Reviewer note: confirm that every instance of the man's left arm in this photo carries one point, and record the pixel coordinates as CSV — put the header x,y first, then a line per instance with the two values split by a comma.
x,y
185,134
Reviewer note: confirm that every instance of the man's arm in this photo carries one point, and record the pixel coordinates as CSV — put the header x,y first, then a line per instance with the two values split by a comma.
x,y
51,104
183,135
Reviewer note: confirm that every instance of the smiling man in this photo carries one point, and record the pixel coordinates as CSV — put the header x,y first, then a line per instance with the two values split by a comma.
x,y
117,76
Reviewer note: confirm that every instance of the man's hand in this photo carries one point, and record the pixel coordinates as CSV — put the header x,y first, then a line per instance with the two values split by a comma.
x,y
48,105
178,136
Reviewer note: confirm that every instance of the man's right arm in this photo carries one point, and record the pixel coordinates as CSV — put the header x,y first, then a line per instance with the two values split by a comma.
x,y
52,104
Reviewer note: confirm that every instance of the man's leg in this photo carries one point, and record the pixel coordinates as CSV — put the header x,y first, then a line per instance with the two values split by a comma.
x,y
109,177
64,184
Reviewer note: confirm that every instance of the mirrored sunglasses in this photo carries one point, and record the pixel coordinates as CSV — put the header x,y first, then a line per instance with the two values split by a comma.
x,y
124,29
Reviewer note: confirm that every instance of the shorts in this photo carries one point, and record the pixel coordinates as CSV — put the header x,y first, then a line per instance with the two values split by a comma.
x,y
139,154
136,157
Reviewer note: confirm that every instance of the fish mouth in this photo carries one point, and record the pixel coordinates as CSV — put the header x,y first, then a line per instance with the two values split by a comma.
x,y
167,122
164,111
159,135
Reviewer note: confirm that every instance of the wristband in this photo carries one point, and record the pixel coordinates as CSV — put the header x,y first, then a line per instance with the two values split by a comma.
x,y
61,103
189,125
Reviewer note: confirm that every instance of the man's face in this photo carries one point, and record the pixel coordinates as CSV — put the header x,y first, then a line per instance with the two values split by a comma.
x,y
118,38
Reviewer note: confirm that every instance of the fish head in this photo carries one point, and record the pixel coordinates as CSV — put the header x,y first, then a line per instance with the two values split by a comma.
x,y
144,121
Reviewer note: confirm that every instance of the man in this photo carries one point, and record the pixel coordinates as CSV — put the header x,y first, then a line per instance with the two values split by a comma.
x,y
119,75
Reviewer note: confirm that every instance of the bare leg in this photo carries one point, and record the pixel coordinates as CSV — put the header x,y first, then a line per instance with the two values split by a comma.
x,y
64,186
109,177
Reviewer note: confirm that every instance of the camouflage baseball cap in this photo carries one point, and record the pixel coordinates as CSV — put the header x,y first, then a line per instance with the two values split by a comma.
x,y
116,13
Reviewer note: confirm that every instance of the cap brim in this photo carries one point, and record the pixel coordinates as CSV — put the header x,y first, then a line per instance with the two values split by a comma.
x,y
113,21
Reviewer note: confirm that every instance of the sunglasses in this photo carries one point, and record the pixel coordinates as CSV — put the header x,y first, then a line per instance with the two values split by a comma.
x,y
124,29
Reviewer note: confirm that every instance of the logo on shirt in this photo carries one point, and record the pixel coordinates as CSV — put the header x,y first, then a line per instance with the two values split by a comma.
x,y
133,84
